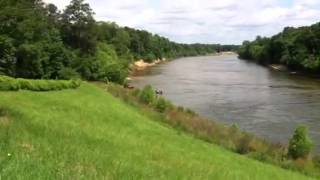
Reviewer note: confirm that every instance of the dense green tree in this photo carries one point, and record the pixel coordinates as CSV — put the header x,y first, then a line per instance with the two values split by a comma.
x,y
121,41
147,95
79,27
38,41
297,48
29,61
53,14
7,56
107,65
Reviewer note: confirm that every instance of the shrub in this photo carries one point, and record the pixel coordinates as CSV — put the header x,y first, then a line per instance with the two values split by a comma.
x,y
12,84
147,95
243,145
68,73
180,109
136,92
149,58
107,65
8,84
300,144
316,160
162,105
234,131
3,112
191,112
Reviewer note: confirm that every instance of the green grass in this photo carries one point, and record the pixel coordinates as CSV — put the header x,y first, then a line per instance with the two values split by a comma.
x,y
15,84
89,134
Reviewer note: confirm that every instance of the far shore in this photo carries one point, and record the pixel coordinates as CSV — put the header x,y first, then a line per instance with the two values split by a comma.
x,y
141,64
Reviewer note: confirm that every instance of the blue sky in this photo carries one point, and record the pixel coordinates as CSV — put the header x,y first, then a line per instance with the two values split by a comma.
x,y
206,21
286,3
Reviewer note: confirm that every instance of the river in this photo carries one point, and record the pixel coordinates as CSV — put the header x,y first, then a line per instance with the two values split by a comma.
x,y
268,103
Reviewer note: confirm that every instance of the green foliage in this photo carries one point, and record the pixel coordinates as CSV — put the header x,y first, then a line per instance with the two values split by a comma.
x,y
88,134
191,112
78,26
150,57
59,59
136,92
38,41
7,58
297,48
29,61
108,65
316,160
147,95
8,84
300,145
180,108
11,84
229,137
162,104
68,73
243,145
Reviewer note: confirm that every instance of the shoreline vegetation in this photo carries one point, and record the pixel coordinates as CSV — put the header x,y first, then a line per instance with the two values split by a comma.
x,y
230,137
16,84
278,67
294,49
141,64
43,42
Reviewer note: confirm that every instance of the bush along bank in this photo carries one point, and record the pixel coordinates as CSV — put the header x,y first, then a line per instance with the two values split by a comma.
x,y
15,84
298,49
296,157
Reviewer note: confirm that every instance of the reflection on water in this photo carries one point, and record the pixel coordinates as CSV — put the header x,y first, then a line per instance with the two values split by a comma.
x,y
268,103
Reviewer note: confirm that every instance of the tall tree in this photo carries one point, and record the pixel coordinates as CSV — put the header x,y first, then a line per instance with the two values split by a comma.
x,y
7,56
79,27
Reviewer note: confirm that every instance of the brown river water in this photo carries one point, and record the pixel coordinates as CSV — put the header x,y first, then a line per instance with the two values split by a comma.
x,y
268,103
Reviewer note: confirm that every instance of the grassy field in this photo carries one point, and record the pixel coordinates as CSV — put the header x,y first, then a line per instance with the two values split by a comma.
x,y
89,134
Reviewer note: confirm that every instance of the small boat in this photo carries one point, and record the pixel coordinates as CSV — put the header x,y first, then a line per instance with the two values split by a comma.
x,y
128,86
159,92
278,67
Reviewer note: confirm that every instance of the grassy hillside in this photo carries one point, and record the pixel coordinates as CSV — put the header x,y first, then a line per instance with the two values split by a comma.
x,y
89,134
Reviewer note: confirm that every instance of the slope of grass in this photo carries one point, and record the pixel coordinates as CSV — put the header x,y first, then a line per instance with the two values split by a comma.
x,y
89,134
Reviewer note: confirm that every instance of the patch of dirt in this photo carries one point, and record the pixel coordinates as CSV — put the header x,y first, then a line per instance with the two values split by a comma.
x,y
27,146
4,121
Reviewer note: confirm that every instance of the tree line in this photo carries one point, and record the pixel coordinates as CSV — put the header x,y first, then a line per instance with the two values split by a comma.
x,y
297,48
40,42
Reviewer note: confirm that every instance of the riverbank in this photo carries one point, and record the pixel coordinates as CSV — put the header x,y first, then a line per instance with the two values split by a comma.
x,y
278,67
283,68
86,133
260,100
226,53
230,137
141,64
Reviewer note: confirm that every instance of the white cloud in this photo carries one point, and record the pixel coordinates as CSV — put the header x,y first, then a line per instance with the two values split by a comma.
x,y
207,21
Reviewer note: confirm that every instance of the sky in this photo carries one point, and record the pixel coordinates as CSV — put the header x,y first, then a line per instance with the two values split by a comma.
x,y
206,21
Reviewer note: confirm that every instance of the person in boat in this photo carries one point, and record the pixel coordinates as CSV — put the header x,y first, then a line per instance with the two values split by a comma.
x,y
159,92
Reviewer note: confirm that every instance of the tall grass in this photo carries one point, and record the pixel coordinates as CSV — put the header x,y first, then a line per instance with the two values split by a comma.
x,y
13,84
230,137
